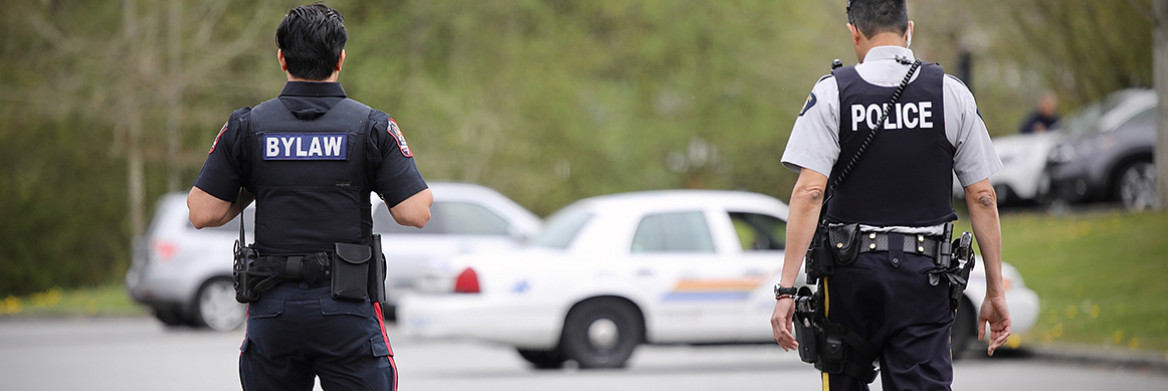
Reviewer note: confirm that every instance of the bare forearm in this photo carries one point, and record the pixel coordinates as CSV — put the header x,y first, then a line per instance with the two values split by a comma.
x,y
415,210
207,210
806,201
983,212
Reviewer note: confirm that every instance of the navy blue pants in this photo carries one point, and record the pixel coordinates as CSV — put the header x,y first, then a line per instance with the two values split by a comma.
x,y
885,297
296,332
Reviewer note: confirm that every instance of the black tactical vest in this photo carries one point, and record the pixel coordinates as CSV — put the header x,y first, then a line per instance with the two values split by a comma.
x,y
905,178
309,178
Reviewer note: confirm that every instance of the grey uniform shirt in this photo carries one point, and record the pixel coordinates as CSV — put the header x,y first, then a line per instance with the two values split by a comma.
x,y
814,142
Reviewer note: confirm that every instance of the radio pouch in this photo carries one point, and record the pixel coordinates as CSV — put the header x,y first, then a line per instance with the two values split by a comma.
x,y
843,244
377,272
350,272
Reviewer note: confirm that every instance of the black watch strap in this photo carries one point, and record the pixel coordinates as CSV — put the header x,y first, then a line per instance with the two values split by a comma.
x,y
780,291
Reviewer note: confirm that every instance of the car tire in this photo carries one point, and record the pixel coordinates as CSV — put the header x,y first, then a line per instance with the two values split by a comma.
x,y
602,333
544,359
215,306
171,317
1136,186
964,328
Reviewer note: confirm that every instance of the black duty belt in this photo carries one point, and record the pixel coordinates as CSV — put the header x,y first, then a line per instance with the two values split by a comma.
x,y
311,268
925,245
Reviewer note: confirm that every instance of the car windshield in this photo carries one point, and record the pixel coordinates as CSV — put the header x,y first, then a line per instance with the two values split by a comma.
x,y
562,227
1088,120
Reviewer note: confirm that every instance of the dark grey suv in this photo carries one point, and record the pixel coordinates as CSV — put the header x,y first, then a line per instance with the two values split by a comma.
x,y
1106,152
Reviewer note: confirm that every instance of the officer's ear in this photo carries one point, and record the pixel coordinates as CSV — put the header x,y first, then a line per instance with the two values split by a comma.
x,y
340,60
283,63
856,35
908,35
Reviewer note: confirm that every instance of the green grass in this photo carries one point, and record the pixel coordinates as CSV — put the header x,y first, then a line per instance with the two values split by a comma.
x,y
1101,277
107,300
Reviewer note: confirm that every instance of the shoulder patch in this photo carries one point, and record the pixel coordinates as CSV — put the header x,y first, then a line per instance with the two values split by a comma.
x,y
216,142
807,105
396,132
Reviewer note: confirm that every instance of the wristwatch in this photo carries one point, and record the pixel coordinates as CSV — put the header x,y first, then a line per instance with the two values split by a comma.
x,y
780,291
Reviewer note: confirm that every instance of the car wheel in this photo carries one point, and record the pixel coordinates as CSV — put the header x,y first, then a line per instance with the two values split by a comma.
x,y
216,308
1136,186
964,328
171,317
544,359
602,333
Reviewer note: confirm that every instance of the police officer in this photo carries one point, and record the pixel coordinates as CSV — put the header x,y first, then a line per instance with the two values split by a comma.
x,y
311,157
899,190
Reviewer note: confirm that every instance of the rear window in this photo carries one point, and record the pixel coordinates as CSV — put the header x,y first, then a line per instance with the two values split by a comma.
x,y
562,228
676,232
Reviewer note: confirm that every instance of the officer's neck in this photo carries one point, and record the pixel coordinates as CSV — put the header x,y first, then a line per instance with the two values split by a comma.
x,y
331,79
864,45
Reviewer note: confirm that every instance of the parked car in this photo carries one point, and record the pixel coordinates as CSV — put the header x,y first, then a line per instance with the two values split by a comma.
x,y
612,272
1021,178
184,274
1107,152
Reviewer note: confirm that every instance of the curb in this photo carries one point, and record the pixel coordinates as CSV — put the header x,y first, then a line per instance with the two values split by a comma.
x,y
1096,355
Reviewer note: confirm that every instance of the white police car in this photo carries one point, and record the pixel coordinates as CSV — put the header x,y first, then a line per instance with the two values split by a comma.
x,y
611,272
184,274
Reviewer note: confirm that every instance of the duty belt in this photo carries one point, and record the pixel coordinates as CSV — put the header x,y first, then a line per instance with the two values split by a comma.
x,y
913,244
311,268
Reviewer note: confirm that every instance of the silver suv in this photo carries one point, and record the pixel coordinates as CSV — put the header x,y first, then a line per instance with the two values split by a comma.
x,y
184,274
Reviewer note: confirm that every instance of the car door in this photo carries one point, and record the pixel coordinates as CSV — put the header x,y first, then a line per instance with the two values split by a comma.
x,y
761,243
696,294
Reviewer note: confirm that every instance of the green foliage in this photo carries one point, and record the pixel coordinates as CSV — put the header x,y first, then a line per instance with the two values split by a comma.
x,y
546,101
1099,277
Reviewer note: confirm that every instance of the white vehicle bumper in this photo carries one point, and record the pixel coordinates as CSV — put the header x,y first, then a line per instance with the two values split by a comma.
x,y
479,317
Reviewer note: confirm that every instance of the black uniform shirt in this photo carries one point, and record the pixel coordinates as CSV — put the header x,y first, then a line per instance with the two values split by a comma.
x,y
396,177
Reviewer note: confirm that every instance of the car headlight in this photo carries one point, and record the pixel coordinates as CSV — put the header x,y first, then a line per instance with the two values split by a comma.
x,y
1062,153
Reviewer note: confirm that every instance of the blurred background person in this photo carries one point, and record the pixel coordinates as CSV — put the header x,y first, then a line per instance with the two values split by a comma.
x,y
1044,116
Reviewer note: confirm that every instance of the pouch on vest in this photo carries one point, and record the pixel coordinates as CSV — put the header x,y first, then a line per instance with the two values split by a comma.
x,y
844,246
350,272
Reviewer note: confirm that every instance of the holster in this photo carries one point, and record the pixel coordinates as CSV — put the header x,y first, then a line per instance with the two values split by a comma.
x,y
244,258
377,272
830,246
963,260
824,343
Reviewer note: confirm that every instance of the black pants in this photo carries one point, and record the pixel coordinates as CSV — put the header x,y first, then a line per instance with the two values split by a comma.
x,y
886,298
296,332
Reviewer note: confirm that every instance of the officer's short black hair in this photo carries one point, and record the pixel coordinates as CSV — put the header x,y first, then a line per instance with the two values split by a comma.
x,y
872,17
312,37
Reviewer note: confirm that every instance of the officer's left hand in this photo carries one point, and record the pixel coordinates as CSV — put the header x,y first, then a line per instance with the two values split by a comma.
x,y
994,311
781,323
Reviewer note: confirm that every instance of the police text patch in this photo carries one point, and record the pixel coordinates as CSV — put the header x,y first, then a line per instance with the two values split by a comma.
x,y
305,146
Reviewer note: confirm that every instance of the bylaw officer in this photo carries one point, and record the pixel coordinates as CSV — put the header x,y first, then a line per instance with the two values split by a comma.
x,y
311,157
886,299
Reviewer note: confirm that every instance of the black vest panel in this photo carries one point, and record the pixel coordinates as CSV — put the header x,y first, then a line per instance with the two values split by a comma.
x,y
309,178
905,178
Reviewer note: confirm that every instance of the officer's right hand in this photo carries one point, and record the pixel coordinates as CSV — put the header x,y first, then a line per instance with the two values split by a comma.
x,y
781,323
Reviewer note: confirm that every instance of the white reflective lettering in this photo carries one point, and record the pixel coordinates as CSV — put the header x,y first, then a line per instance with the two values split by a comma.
x,y
287,145
857,116
314,148
332,146
273,148
926,108
910,121
873,115
300,148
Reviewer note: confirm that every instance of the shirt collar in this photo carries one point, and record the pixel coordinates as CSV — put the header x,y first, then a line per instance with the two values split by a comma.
x,y
888,53
318,89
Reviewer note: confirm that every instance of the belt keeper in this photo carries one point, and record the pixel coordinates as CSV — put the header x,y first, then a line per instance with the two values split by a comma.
x,y
293,267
